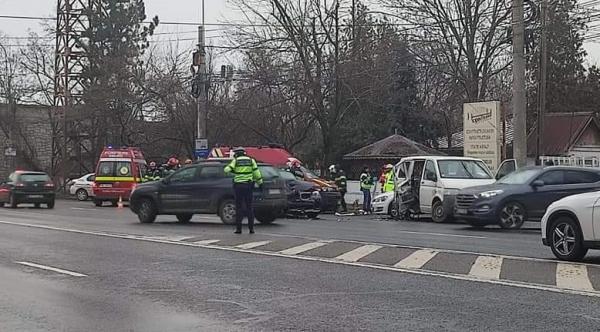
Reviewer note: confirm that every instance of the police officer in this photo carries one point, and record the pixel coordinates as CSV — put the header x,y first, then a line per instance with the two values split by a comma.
x,y
388,176
366,184
245,175
342,183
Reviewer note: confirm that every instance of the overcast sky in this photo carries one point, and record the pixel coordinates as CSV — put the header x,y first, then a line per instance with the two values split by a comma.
x,y
167,10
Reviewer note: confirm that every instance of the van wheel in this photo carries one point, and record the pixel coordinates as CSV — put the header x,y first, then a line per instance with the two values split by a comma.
x,y
184,218
227,212
98,203
438,214
147,211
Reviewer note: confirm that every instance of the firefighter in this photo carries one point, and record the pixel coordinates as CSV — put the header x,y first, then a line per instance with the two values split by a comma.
x,y
153,173
245,175
171,167
342,183
366,184
388,184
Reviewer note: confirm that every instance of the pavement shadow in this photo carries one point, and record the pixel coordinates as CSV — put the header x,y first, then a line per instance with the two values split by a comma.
x,y
494,229
205,224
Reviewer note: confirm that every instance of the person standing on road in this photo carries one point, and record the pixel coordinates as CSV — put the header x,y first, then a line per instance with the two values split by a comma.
x,y
388,183
245,175
366,185
342,183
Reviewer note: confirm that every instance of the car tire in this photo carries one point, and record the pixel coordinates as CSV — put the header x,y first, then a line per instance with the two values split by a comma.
x,y
147,211
512,215
114,203
98,203
266,218
50,204
393,210
12,201
566,239
227,212
37,205
438,214
82,195
310,215
184,218
2,204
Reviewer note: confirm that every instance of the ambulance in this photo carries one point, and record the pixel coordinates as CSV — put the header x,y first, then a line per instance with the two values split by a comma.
x,y
118,171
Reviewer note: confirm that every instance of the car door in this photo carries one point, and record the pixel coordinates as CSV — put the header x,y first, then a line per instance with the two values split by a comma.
x,y
508,166
177,192
211,186
5,188
541,197
581,181
428,186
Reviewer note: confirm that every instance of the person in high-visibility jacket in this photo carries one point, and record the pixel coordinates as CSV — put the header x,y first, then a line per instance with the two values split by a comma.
x,y
366,185
152,173
388,184
245,175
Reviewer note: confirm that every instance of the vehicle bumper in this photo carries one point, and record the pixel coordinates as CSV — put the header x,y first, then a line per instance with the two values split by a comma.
x,y
112,195
304,205
477,216
545,242
26,197
278,205
381,207
329,200
449,204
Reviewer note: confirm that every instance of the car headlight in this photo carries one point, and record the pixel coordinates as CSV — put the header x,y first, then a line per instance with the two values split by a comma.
x,y
491,193
315,195
450,192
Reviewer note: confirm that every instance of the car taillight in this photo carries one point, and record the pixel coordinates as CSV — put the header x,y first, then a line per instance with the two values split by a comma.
x,y
20,185
49,185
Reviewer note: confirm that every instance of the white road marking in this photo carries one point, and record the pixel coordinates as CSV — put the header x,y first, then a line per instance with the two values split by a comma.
x,y
358,253
302,248
54,269
573,277
201,242
83,209
417,259
252,245
487,267
443,234
438,274
174,238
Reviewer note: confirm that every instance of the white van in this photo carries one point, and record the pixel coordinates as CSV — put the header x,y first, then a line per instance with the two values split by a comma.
x,y
434,181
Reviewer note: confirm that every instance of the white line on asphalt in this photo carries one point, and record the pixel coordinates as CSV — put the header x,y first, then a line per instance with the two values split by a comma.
x,y
252,245
54,269
302,248
417,259
487,267
462,277
174,238
573,277
358,253
443,234
83,209
205,242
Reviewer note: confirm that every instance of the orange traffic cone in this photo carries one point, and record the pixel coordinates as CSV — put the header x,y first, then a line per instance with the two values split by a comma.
x,y
120,204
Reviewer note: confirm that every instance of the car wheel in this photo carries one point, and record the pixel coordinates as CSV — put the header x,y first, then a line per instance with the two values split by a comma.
x,y
267,218
566,239
37,205
393,210
227,212
310,215
512,216
98,203
50,204
438,214
82,195
147,211
114,203
184,218
12,201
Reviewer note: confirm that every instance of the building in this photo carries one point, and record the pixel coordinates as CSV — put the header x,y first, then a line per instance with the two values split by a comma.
x,y
386,151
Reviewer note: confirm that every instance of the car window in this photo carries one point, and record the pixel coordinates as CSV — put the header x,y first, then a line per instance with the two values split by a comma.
x,y
184,175
430,173
401,170
575,177
552,178
268,172
91,178
211,172
34,178
115,169
506,168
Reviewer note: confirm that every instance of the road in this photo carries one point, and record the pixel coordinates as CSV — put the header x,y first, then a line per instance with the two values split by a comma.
x,y
78,268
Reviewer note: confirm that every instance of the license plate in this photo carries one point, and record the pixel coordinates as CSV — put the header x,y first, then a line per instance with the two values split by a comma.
x,y
274,191
461,211
106,185
35,196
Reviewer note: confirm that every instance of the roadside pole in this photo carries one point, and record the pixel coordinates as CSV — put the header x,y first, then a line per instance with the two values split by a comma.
x,y
543,81
200,91
518,87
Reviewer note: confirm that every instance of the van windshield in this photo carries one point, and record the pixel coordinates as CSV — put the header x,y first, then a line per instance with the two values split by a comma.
x,y
463,169
114,169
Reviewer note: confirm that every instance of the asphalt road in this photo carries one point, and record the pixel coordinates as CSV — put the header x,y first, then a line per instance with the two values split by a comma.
x,y
81,268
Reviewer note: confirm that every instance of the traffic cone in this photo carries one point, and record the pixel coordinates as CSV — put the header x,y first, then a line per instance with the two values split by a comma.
x,y
120,204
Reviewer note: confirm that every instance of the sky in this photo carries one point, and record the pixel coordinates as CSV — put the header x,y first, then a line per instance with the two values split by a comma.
x,y
168,11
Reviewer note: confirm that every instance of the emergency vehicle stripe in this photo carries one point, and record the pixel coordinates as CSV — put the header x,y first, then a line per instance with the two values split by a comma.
x,y
114,178
115,159
219,153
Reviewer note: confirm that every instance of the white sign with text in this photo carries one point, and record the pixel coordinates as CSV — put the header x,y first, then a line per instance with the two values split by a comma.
x,y
483,132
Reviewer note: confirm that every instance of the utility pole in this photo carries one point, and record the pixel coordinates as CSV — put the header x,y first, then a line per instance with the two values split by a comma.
x,y
519,101
200,91
543,79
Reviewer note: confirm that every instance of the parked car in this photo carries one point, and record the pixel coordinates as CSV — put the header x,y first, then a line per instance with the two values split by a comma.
x,y
432,183
523,195
304,197
571,226
82,188
27,187
204,188
383,204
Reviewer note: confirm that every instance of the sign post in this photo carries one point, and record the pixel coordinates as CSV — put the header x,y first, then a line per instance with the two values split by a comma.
x,y
201,149
483,132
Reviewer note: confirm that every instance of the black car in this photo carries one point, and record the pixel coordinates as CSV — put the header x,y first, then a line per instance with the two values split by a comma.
x,y
522,195
23,187
304,198
205,188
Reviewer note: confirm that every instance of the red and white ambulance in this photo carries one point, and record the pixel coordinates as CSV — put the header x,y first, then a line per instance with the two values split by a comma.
x,y
118,171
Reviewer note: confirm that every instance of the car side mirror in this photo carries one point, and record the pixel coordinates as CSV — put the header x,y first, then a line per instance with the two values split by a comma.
x,y
537,183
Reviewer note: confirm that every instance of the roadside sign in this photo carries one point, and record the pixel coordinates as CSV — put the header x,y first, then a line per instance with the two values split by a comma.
x,y
201,153
10,152
201,144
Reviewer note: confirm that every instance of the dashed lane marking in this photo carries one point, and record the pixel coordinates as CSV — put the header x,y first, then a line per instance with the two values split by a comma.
x,y
201,242
487,267
358,253
302,248
573,277
417,259
53,269
174,238
251,245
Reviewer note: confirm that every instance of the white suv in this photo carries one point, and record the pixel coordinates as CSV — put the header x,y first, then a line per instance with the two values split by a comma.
x,y
571,226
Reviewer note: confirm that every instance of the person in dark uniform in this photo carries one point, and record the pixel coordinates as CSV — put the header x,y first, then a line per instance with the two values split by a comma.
x,y
245,175
342,183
